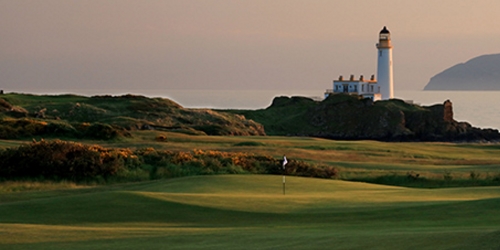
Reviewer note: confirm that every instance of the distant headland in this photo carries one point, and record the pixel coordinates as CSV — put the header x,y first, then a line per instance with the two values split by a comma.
x,y
479,73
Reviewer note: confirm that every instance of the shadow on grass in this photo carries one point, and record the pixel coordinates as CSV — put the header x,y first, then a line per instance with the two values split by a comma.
x,y
412,180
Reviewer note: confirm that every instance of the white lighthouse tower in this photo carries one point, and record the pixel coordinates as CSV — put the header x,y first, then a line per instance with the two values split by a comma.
x,y
384,65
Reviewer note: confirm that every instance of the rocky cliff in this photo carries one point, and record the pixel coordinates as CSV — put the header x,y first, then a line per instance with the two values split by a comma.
x,y
351,117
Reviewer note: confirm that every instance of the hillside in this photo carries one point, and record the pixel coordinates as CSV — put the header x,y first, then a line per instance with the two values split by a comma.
x,y
23,115
479,73
354,118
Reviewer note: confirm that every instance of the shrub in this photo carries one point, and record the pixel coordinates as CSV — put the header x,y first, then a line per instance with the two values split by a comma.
x,y
474,175
496,178
61,129
59,160
8,132
301,168
19,128
233,169
447,176
213,129
412,176
101,132
16,128
249,143
161,138
4,104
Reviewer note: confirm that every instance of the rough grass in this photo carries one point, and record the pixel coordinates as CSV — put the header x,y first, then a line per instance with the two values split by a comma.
x,y
355,160
352,155
241,212
21,186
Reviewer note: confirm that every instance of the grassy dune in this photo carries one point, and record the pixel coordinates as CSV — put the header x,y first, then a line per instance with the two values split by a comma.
x,y
250,211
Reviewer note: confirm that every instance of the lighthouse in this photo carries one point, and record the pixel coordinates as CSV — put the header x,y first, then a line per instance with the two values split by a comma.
x,y
384,65
375,89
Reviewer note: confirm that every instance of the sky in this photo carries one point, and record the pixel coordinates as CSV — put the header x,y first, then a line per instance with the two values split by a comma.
x,y
71,45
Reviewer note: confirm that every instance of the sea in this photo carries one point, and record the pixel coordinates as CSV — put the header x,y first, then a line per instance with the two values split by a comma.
x,y
479,108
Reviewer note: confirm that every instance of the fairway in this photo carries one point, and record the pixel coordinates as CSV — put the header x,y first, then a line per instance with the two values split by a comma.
x,y
250,212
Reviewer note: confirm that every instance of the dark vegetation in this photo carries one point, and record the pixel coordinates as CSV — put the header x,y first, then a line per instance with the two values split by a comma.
x,y
61,160
27,128
110,117
412,179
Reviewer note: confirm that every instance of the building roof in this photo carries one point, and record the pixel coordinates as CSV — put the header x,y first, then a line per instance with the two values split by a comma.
x,y
385,31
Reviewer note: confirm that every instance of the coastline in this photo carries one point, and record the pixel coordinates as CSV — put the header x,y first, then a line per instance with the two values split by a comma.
x,y
479,108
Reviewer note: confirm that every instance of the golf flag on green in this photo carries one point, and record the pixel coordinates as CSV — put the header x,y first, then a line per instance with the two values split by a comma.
x,y
284,163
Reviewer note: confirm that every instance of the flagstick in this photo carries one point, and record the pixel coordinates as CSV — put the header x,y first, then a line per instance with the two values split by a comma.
x,y
284,172
283,184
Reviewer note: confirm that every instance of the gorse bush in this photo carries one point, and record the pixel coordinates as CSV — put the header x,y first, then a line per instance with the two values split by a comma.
x,y
60,160
103,132
22,128
205,162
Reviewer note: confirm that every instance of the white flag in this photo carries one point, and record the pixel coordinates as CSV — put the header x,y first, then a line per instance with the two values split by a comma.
x,y
284,161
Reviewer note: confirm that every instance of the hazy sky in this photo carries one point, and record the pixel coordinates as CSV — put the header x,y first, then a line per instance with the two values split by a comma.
x,y
234,44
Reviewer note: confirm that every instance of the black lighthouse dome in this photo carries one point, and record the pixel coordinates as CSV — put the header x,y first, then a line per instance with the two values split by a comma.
x,y
385,31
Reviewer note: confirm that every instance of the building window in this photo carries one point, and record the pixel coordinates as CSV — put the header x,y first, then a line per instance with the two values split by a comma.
x,y
371,88
362,87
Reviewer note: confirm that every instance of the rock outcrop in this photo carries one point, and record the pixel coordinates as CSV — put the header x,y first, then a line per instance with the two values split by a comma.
x,y
354,118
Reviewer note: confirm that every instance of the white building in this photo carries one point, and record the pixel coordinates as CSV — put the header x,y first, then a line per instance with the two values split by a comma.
x,y
383,89
384,65
366,88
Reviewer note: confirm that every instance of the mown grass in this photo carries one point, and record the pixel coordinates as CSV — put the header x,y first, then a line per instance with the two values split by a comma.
x,y
249,211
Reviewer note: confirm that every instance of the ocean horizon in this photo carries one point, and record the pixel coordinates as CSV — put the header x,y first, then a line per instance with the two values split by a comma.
x,y
479,108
